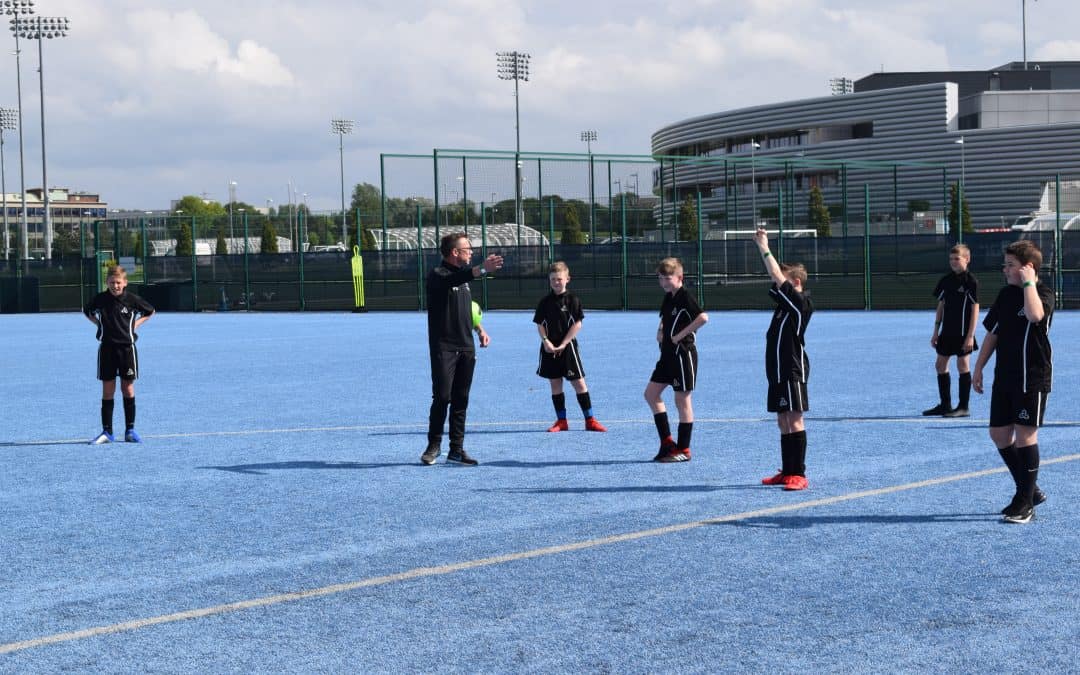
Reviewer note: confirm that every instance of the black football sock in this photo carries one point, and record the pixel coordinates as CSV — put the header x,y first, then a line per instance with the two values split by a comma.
x,y
944,387
663,428
965,391
585,402
1010,457
1028,468
129,413
685,431
787,454
559,401
107,405
798,453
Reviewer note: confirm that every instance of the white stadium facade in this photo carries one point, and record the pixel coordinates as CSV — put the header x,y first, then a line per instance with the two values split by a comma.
x,y
1006,132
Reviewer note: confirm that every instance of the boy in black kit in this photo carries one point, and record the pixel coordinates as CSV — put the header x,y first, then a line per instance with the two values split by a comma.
x,y
787,366
680,317
558,319
1018,325
954,331
117,313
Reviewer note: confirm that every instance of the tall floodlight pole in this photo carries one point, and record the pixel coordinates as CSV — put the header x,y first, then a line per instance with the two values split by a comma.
x,y
232,200
754,145
8,119
515,66
14,8
342,127
1023,29
41,28
960,142
960,197
588,136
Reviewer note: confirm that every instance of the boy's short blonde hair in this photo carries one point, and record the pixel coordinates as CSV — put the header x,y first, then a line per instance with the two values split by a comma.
x,y
558,266
116,271
669,267
961,249
794,271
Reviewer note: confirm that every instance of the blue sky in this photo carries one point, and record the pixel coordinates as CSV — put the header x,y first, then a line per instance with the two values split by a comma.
x,y
150,100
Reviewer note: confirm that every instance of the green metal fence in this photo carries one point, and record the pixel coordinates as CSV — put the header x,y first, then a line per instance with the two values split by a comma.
x,y
889,257
854,272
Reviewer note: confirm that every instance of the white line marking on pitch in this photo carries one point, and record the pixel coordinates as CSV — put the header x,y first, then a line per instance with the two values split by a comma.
x,y
422,572
534,424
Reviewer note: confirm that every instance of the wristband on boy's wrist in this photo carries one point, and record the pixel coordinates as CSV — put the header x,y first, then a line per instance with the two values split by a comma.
x,y
1028,283
544,338
766,254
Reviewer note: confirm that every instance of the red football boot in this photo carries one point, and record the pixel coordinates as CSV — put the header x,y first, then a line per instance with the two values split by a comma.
x,y
560,425
591,424
779,479
796,483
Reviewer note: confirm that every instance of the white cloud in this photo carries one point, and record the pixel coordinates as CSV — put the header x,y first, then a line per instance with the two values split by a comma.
x,y
1058,50
257,64
997,34
217,91
184,41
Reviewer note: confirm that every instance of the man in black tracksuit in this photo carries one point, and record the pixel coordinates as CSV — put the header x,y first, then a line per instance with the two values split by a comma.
x,y
450,342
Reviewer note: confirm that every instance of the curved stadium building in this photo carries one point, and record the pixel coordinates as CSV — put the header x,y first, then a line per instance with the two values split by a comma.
x,y
1006,133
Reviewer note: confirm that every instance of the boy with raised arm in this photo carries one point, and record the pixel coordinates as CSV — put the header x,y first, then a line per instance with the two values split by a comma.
x,y
787,366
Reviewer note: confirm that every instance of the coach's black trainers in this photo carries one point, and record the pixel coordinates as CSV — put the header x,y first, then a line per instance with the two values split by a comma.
x,y
1022,514
939,409
431,454
461,457
956,412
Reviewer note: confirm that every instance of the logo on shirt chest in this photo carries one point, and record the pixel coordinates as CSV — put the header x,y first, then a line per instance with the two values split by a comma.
x,y
124,310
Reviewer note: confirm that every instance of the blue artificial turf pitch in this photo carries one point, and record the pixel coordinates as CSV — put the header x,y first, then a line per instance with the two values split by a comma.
x,y
281,456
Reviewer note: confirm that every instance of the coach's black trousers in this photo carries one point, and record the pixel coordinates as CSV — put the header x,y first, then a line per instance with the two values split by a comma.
x,y
451,379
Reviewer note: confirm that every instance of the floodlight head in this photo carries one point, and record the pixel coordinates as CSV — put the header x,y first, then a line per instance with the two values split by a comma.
x,y
341,126
589,135
40,27
16,7
513,65
9,118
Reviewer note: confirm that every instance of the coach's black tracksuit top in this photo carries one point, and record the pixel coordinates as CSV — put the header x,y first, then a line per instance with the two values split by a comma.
x,y
117,315
450,309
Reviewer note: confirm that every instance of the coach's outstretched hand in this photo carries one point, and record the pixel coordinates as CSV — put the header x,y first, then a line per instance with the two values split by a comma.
x,y
492,262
